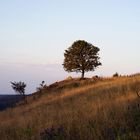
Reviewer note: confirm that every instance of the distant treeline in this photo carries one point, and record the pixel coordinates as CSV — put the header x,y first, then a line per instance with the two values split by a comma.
x,y
7,101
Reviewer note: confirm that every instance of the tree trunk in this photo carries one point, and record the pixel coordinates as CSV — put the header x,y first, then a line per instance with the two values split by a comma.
x,y
25,98
83,72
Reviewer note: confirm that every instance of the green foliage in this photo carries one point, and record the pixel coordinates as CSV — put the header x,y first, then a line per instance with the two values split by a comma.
x,y
81,57
19,87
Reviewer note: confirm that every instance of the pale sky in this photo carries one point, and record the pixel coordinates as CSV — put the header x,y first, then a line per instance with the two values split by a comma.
x,y
35,33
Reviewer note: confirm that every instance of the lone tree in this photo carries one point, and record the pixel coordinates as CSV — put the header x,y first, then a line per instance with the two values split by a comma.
x,y
81,57
19,87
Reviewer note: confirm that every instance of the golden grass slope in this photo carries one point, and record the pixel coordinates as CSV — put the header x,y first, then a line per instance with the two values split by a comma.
x,y
107,109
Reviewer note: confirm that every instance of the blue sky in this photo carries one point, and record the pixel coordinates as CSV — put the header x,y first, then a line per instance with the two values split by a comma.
x,y
35,33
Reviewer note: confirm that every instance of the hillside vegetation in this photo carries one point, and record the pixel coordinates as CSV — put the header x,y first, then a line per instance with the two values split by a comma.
x,y
90,109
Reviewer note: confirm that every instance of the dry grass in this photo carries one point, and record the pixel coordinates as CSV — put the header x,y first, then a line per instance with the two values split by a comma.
x,y
104,110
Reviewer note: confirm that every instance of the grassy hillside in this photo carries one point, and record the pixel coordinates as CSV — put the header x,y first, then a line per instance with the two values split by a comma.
x,y
92,109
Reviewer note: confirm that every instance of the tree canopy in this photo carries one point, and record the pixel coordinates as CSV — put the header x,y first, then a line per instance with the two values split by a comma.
x,y
19,87
81,57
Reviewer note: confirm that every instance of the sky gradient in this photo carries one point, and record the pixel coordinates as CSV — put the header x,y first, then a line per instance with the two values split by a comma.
x,y
35,33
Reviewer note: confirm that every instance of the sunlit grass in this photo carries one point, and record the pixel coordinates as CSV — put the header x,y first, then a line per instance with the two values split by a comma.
x,y
103,110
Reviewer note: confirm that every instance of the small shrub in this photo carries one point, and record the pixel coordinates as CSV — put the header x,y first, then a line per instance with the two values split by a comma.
x,y
116,75
41,87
